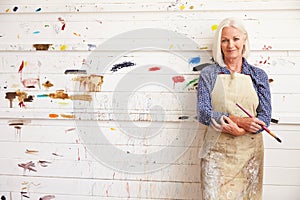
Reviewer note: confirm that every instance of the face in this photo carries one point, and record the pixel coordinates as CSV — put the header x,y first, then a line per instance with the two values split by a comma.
x,y
232,43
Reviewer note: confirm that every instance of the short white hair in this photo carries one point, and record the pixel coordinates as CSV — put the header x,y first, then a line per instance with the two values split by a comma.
x,y
216,48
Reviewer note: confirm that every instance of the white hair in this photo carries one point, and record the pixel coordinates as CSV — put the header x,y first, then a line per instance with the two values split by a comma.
x,y
216,48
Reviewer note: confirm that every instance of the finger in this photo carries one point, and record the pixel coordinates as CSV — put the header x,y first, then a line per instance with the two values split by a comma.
x,y
215,125
258,121
229,121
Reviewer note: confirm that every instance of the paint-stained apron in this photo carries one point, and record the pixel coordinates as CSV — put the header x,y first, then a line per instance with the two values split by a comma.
x,y
233,167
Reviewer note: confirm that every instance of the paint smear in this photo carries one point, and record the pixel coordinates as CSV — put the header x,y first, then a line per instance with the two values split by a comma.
x,y
38,9
82,97
214,27
191,7
53,115
183,117
113,129
36,32
194,60
7,10
91,47
116,67
152,69
182,7
47,197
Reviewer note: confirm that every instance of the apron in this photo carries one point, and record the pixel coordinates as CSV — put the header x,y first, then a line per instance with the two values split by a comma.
x,y
232,168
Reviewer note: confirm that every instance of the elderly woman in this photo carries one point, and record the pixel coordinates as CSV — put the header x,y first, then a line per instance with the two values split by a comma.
x,y
232,168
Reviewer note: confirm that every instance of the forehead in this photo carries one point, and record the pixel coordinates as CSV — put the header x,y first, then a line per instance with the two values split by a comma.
x,y
231,31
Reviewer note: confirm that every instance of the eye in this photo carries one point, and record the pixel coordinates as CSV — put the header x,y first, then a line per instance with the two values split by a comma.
x,y
224,40
236,39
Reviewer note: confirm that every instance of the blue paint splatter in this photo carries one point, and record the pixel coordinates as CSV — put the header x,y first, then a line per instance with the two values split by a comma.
x,y
38,9
194,60
91,47
36,32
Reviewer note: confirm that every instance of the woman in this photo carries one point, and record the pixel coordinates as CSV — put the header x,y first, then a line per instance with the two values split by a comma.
x,y
233,166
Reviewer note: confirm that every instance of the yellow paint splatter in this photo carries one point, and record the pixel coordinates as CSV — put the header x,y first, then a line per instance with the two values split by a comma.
x,y
171,46
214,27
7,10
182,7
25,63
63,47
112,129
204,48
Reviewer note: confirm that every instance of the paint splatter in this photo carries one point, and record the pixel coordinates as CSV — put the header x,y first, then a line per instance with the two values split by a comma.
x,y
75,71
214,27
178,79
15,9
194,60
183,117
59,95
182,7
70,129
42,95
10,96
93,82
63,23
7,10
193,83
76,34
152,69
127,189
91,47
266,48
67,116
29,151
41,47
36,32
27,166
47,197
53,115
38,9
47,85
113,129
63,47
116,67
191,7
21,66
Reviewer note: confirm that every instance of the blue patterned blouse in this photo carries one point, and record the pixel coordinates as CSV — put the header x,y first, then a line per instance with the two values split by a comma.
x,y
206,84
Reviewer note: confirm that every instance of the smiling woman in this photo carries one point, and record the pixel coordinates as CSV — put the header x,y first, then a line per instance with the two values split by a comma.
x,y
233,167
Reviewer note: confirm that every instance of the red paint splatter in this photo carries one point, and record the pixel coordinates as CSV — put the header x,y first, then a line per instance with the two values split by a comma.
x,y
63,27
152,69
178,79
78,157
21,67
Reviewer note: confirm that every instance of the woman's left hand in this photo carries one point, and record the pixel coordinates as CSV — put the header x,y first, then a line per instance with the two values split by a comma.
x,y
228,126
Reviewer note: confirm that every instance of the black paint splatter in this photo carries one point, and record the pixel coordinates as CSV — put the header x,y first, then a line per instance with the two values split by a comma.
x,y
183,117
15,9
116,67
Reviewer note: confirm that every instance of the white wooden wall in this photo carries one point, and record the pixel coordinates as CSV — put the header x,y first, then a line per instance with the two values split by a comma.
x,y
53,132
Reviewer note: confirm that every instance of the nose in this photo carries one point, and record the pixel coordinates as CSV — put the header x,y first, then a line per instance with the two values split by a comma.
x,y
230,43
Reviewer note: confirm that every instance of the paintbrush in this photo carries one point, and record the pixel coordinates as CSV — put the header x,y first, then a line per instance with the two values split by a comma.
x,y
264,127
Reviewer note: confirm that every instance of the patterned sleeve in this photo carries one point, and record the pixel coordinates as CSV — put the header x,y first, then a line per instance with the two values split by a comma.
x,y
205,86
264,108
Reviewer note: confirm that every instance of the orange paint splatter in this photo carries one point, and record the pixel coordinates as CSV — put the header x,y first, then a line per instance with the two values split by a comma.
x,y
53,115
77,34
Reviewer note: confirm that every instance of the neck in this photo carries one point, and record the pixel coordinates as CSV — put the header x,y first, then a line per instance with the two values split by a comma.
x,y
234,65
